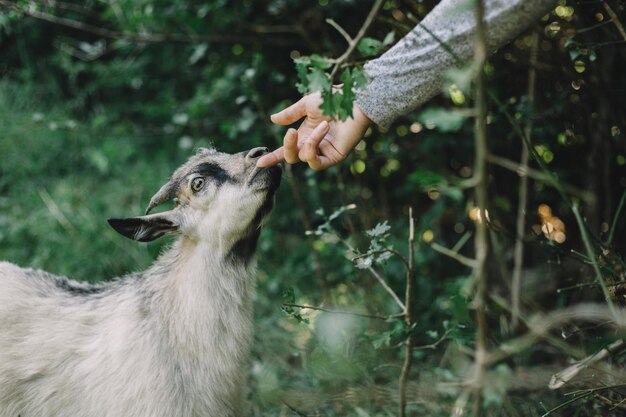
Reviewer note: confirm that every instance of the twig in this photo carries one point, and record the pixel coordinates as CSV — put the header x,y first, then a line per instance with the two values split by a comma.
x,y
339,29
566,403
380,279
380,252
593,27
434,345
138,37
594,261
518,251
461,242
387,288
293,409
550,177
408,316
537,175
354,42
620,206
579,395
56,212
539,327
347,313
615,19
481,241
561,378
554,341
464,260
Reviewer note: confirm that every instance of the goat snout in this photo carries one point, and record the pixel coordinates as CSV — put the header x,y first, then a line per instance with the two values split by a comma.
x,y
255,153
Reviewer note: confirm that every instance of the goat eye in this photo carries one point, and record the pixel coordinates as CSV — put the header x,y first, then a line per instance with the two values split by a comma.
x,y
197,184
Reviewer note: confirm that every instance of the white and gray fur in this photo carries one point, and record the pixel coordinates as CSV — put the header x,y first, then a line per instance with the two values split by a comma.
x,y
170,341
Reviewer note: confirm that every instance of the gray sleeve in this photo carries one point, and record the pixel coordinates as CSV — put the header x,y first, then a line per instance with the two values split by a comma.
x,y
412,71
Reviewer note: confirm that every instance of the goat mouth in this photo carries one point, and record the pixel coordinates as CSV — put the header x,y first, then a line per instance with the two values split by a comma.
x,y
272,176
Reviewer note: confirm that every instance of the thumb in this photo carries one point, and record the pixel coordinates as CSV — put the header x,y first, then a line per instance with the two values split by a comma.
x,y
291,114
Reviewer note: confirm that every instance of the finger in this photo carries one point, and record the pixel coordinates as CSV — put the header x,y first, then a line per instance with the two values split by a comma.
x,y
291,114
323,162
275,157
327,156
290,146
310,149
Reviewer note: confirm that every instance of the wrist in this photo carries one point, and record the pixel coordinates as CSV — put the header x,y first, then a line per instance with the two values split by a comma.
x,y
361,121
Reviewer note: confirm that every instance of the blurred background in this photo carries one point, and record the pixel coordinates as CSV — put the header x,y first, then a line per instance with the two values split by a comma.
x,y
101,99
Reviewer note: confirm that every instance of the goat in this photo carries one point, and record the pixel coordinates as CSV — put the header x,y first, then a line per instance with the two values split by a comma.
x,y
170,341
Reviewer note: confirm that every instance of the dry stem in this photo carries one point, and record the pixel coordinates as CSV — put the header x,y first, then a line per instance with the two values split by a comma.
x,y
481,239
518,254
615,20
408,316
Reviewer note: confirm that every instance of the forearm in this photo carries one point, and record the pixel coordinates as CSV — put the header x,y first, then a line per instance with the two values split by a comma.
x,y
412,71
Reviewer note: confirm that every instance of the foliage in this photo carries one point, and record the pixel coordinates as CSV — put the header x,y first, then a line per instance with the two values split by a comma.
x,y
94,117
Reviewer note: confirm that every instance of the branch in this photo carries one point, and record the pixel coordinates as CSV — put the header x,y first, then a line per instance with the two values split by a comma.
x,y
380,252
434,345
481,241
539,327
594,260
387,288
347,313
408,317
354,42
615,19
464,260
554,341
341,31
56,212
561,378
522,171
380,279
620,206
579,395
518,251
138,37
293,409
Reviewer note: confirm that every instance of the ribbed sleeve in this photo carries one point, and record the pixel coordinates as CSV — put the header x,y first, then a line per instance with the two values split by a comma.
x,y
412,71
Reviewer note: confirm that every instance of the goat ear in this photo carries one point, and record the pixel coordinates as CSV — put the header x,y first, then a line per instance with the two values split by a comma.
x,y
145,228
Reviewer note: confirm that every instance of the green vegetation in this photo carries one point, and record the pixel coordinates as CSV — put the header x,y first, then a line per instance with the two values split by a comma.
x,y
99,101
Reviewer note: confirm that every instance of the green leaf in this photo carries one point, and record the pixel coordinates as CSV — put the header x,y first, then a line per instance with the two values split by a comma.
x,y
359,78
318,80
369,46
363,263
425,178
327,106
380,229
389,38
347,88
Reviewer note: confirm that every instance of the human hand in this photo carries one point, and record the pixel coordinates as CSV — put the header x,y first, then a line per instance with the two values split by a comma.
x,y
320,141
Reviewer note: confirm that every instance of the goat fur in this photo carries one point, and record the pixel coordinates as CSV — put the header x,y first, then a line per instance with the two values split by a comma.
x,y
169,341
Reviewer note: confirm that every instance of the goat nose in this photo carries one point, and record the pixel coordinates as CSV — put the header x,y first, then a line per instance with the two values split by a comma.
x,y
257,152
